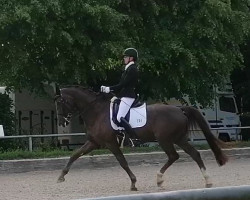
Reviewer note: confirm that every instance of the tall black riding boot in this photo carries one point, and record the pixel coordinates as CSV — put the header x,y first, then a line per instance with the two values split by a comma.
x,y
129,130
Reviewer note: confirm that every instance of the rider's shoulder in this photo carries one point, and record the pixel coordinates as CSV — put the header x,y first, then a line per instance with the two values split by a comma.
x,y
132,67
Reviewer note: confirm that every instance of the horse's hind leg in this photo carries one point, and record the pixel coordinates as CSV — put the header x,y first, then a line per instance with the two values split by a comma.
x,y
114,148
172,157
86,148
189,149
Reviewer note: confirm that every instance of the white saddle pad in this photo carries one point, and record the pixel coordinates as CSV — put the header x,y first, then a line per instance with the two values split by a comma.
x,y
138,117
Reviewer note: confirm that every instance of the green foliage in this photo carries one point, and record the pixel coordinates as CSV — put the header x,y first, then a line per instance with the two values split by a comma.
x,y
21,154
185,47
7,119
241,81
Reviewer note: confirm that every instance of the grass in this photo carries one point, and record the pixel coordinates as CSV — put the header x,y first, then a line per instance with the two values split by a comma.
x,y
22,154
56,153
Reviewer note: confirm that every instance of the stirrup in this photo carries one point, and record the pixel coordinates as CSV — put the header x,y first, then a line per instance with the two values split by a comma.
x,y
123,140
130,141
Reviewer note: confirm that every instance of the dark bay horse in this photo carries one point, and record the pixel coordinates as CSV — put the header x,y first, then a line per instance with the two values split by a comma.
x,y
165,123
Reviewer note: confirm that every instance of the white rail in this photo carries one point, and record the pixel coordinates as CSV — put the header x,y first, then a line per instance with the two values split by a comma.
x,y
83,134
220,193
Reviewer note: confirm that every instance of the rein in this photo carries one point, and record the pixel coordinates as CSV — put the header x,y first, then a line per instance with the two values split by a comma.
x,y
65,101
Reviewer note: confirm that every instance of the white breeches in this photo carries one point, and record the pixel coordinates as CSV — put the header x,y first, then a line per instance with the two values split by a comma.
x,y
124,107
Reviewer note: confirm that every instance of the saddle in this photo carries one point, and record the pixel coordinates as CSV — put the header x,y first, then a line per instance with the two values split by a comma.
x,y
116,103
136,116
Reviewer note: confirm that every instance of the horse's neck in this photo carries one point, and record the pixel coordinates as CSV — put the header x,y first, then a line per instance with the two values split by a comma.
x,y
82,100
90,105
94,112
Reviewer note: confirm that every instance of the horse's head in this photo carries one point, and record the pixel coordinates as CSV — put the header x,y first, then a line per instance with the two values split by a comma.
x,y
73,99
64,108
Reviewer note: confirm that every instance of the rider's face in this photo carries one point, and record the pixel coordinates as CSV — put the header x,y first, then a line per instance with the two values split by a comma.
x,y
126,59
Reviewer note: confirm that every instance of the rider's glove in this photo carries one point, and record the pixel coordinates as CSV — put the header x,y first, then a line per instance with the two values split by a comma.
x,y
105,89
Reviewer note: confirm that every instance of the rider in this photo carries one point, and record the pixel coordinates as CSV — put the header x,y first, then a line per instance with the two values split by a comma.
x,y
126,88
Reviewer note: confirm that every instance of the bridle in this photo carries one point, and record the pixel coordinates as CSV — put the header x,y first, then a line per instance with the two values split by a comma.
x,y
65,102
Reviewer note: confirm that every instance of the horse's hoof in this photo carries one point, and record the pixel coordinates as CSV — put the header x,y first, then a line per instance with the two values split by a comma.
x,y
60,180
160,179
159,183
209,185
133,189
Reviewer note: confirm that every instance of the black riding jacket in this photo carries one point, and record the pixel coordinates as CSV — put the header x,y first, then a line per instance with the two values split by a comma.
x,y
128,83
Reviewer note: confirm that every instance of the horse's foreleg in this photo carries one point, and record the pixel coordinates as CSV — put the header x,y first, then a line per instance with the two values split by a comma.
x,y
172,157
121,159
86,148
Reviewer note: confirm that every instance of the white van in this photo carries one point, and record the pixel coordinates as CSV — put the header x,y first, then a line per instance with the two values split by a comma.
x,y
222,114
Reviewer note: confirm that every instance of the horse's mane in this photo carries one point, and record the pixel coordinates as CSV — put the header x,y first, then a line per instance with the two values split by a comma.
x,y
81,87
89,89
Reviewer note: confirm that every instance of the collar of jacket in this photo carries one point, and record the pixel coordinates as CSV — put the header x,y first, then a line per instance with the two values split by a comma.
x,y
127,66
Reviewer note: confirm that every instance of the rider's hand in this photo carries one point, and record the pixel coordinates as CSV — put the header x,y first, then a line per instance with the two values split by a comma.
x,y
105,89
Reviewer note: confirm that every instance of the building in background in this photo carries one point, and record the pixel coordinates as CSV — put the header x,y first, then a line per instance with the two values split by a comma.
x,y
34,115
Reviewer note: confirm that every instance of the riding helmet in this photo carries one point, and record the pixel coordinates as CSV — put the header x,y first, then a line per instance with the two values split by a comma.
x,y
131,52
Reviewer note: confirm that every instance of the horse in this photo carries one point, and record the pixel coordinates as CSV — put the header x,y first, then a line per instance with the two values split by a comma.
x,y
168,125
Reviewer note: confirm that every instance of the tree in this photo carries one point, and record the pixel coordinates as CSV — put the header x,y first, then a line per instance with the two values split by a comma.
x,y
241,84
241,80
185,47
7,119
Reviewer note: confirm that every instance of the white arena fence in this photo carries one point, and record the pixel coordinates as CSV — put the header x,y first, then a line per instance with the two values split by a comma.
x,y
30,137
219,193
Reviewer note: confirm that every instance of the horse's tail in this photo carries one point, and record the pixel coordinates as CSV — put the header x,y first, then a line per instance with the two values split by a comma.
x,y
195,117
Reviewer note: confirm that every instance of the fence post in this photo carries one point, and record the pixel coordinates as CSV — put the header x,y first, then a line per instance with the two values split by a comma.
x,y
30,144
